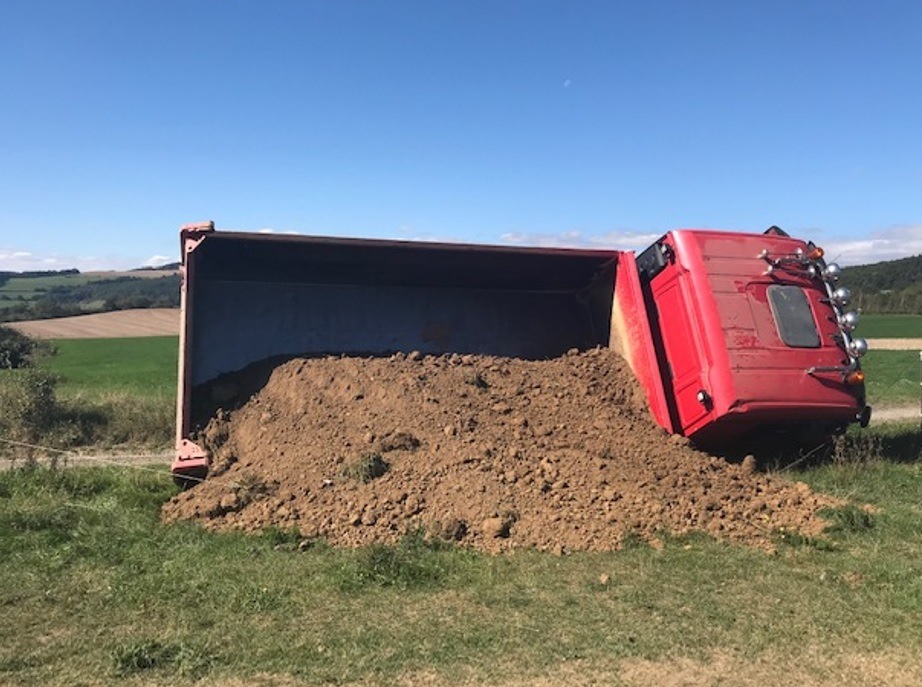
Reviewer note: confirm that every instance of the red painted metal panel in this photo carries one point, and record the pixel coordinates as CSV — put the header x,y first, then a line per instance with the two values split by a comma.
x,y
190,459
687,366
633,338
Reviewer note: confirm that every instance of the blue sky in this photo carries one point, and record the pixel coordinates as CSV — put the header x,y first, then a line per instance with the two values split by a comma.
x,y
577,123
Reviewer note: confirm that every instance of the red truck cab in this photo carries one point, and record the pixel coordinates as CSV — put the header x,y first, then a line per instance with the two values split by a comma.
x,y
749,332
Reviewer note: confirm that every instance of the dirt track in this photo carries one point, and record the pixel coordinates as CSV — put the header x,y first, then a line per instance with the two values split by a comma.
x,y
494,453
122,323
895,344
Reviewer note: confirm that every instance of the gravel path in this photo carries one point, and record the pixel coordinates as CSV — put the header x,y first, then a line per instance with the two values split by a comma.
x,y
880,415
134,460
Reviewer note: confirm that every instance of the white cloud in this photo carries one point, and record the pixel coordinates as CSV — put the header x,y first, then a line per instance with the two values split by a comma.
x,y
269,230
405,232
574,238
885,244
158,260
17,260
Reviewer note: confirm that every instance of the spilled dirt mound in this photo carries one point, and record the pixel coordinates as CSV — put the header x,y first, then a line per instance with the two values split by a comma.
x,y
495,453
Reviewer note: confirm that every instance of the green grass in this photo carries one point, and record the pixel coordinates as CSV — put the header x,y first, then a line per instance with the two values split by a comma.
x,y
142,367
891,326
94,590
111,393
892,377
35,287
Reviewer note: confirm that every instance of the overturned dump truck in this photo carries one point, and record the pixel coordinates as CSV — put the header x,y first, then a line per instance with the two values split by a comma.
x,y
729,334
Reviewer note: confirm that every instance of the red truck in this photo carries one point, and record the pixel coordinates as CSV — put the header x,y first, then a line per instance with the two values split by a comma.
x,y
729,334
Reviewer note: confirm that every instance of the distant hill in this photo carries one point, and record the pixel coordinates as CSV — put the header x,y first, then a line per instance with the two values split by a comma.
x,y
42,295
170,266
894,286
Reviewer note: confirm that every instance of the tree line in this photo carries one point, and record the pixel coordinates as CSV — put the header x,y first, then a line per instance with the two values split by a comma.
x,y
894,286
120,293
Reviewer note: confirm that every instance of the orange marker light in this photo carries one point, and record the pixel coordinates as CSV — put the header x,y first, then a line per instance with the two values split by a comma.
x,y
815,253
855,377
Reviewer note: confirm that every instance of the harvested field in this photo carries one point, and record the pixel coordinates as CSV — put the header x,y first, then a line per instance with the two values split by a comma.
x,y
106,325
493,453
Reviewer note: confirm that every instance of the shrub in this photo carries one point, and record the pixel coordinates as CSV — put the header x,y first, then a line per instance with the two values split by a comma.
x,y
414,562
18,350
27,404
31,414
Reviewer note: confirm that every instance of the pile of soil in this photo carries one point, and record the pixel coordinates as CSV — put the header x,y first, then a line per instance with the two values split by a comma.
x,y
495,453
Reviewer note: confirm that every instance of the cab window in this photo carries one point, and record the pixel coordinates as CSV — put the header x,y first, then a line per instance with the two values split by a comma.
x,y
793,316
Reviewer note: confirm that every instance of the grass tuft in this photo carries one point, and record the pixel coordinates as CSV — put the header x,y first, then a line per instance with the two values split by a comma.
x,y
848,518
476,380
151,655
413,563
365,468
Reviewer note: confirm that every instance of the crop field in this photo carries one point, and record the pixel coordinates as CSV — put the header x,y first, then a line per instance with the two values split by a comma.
x,y
131,323
891,326
143,366
892,378
29,286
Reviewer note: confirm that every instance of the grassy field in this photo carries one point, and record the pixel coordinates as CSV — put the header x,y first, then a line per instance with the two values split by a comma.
x,y
143,367
892,377
891,326
95,591
34,287
111,394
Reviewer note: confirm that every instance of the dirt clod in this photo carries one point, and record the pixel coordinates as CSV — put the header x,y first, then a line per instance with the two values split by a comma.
x,y
560,455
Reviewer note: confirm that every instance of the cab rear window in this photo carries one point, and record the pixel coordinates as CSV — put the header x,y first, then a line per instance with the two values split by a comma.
x,y
793,316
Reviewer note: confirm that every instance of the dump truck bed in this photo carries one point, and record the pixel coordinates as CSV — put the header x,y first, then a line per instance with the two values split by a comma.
x,y
249,297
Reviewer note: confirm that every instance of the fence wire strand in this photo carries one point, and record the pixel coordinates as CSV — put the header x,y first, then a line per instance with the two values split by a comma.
x,y
103,460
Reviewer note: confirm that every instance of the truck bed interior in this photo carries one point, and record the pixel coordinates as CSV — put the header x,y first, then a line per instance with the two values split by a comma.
x,y
259,296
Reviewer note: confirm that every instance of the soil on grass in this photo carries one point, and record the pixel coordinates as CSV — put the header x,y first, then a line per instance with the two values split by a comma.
x,y
494,453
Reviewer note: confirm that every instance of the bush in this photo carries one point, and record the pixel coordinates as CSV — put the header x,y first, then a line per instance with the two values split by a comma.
x,y
31,414
18,350
28,409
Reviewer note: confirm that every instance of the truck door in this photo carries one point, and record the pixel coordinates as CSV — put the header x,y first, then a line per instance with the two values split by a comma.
x,y
685,364
677,338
